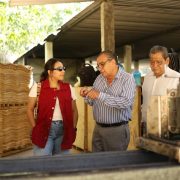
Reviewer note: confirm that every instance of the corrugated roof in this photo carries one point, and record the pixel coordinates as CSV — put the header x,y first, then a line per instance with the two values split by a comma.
x,y
139,23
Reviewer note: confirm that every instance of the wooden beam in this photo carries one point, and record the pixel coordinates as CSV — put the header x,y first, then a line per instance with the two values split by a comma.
x,y
85,127
107,26
159,147
41,2
48,50
127,58
136,65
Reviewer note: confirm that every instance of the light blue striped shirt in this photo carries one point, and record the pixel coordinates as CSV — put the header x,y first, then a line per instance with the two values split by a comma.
x,y
114,103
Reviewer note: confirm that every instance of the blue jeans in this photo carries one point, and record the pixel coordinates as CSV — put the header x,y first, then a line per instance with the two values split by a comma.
x,y
53,144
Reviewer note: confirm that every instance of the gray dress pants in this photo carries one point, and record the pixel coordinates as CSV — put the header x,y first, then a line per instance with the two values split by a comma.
x,y
110,138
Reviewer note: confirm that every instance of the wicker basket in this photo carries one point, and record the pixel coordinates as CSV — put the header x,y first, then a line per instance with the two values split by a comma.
x,y
14,80
15,128
14,125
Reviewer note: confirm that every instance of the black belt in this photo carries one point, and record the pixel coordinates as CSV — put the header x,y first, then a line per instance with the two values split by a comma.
x,y
112,125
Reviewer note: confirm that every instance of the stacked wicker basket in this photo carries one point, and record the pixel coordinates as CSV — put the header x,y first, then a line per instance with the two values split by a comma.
x,y
15,128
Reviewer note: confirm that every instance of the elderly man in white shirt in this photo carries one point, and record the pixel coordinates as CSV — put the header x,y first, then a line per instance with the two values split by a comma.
x,y
159,80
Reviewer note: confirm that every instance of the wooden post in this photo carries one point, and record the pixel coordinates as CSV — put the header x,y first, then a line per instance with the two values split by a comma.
x,y
136,65
85,127
127,58
139,91
107,26
48,50
163,147
134,124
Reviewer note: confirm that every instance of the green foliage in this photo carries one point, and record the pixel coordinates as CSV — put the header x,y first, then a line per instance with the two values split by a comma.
x,y
26,26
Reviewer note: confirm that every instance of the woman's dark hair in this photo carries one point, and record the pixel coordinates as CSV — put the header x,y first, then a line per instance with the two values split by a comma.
x,y
48,66
87,75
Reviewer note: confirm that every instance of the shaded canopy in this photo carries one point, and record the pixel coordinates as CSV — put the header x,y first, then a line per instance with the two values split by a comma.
x,y
139,23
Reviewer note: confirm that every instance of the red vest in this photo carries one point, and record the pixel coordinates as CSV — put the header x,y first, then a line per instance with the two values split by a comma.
x,y
46,104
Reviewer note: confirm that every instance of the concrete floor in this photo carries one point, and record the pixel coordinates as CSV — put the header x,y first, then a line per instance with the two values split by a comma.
x,y
27,153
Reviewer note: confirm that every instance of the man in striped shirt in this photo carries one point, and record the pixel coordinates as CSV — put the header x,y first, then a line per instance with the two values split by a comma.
x,y
112,97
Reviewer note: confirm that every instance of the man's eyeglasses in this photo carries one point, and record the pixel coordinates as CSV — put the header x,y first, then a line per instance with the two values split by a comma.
x,y
159,63
60,68
102,64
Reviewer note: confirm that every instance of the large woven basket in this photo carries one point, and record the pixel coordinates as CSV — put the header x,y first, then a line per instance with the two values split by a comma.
x,y
14,125
14,81
15,129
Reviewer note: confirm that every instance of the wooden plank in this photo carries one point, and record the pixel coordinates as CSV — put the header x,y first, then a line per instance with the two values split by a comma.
x,y
174,115
159,147
157,117
79,142
134,124
91,125
153,117
85,127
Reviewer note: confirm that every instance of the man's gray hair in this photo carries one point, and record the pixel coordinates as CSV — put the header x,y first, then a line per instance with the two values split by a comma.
x,y
161,49
110,55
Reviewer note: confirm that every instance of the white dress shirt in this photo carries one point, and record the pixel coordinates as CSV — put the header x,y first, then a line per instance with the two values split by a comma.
x,y
153,86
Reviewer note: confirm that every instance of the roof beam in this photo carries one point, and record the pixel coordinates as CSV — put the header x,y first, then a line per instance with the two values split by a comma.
x,y
41,2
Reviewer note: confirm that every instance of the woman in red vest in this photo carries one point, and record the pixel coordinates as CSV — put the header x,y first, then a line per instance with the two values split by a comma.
x,y
54,129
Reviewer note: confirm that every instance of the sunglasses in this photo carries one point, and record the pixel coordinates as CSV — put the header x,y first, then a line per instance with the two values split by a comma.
x,y
60,68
